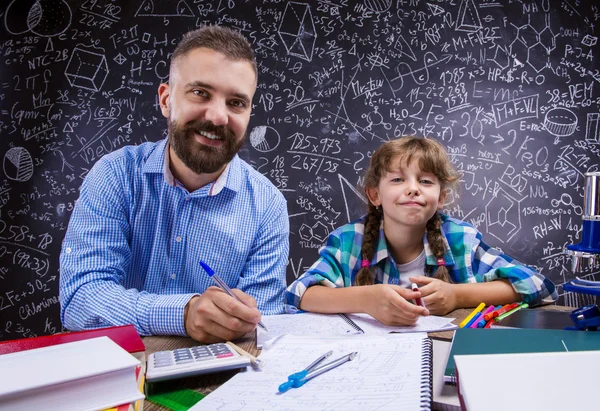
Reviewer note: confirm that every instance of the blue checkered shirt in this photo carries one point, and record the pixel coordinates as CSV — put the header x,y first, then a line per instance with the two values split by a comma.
x,y
467,258
131,251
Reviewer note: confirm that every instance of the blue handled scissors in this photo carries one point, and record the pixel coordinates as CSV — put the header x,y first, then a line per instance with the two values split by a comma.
x,y
298,379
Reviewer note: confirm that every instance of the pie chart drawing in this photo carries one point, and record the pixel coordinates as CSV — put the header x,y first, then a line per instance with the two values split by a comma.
x,y
264,138
18,164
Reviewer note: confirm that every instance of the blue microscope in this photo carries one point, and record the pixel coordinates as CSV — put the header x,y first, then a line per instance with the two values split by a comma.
x,y
587,317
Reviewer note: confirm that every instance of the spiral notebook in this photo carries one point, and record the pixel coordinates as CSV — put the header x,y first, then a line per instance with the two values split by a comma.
x,y
389,372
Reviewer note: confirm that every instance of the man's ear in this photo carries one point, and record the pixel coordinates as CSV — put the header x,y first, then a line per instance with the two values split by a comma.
x,y
163,99
373,195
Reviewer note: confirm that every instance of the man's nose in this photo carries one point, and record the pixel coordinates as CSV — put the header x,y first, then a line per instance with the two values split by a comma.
x,y
216,112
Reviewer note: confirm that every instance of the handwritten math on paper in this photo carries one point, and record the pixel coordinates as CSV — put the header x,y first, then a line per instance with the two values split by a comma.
x,y
333,324
385,374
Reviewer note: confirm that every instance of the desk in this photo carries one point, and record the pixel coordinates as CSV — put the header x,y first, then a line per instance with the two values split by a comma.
x,y
208,383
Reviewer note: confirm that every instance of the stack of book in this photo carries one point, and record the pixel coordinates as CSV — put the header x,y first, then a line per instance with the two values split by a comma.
x,y
88,370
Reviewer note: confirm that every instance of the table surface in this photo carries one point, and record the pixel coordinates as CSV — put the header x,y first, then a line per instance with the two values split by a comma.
x,y
209,382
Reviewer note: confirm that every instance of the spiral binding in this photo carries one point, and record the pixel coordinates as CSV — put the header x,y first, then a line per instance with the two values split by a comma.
x,y
352,323
426,375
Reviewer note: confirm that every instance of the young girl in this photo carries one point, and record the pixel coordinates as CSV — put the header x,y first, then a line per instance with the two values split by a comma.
x,y
366,266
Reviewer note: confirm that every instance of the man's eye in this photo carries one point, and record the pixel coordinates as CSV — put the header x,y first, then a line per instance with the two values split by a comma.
x,y
238,104
200,93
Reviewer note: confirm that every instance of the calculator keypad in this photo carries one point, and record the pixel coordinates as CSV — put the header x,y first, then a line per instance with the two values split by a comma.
x,y
188,355
201,359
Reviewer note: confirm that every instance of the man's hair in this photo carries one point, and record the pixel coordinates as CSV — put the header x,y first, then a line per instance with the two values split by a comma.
x,y
224,40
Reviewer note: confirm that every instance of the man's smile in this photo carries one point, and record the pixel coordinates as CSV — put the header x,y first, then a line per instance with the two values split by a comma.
x,y
209,139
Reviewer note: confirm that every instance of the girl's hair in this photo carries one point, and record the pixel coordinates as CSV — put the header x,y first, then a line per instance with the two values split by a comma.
x,y
432,158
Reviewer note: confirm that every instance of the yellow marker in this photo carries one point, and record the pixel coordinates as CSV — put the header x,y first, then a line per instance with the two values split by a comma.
x,y
470,316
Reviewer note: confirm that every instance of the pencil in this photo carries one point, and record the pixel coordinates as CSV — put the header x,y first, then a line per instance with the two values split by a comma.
x,y
253,360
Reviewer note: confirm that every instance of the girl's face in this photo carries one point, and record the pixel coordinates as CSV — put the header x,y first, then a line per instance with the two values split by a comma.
x,y
408,196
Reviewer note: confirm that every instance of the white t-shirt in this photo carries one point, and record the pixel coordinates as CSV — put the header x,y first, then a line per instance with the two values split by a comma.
x,y
411,269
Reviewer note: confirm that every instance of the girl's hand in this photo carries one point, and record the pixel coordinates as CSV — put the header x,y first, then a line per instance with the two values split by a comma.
x,y
388,304
439,296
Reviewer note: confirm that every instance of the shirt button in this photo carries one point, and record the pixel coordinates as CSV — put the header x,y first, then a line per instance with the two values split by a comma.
x,y
188,198
68,250
178,238
173,276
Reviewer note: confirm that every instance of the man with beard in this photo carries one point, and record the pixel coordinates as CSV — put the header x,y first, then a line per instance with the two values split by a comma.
x,y
148,214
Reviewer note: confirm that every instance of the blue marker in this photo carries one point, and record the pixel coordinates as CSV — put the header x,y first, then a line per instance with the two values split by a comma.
x,y
223,286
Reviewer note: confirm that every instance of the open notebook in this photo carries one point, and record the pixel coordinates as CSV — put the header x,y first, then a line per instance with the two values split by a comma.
x,y
306,323
389,372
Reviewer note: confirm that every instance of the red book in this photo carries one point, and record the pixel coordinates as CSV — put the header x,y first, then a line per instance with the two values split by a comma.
x,y
126,336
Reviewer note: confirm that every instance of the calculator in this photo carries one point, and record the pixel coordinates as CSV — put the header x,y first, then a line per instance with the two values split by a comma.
x,y
185,362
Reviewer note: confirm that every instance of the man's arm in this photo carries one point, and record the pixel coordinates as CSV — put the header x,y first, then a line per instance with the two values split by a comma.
x,y
94,255
264,275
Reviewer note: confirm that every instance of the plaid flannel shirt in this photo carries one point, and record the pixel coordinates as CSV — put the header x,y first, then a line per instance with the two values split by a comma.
x,y
468,259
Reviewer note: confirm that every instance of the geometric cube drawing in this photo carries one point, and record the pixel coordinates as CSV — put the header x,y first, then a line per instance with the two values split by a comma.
x,y
592,129
87,69
297,30
589,40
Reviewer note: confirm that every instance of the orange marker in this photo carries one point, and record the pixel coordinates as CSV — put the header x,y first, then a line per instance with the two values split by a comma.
x,y
505,309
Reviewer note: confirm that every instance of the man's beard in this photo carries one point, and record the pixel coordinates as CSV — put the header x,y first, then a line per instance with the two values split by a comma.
x,y
198,157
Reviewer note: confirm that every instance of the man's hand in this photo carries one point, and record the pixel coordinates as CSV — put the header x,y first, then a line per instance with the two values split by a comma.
x,y
439,296
215,316
388,304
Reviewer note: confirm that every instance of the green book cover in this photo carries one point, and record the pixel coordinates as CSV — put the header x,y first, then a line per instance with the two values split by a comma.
x,y
515,340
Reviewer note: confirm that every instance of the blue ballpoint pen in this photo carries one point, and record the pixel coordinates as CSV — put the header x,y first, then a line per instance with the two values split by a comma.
x,y
223,285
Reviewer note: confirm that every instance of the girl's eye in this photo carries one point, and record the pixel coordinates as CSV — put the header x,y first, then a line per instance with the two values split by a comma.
x,y
427,182
397,180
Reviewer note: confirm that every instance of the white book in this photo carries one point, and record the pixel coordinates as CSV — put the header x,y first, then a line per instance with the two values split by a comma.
x,y
532,381
92,374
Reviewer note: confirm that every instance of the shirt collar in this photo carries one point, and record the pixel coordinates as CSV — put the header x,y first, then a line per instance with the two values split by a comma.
x,y
430,259
158,162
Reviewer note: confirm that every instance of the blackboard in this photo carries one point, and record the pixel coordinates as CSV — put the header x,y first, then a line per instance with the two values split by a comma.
x,y
511,88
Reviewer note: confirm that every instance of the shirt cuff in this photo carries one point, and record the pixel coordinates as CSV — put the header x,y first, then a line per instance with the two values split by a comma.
x,y
166,314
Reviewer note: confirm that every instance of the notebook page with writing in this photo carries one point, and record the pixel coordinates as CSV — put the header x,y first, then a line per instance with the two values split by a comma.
x,y
428,324
303,324
389,372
